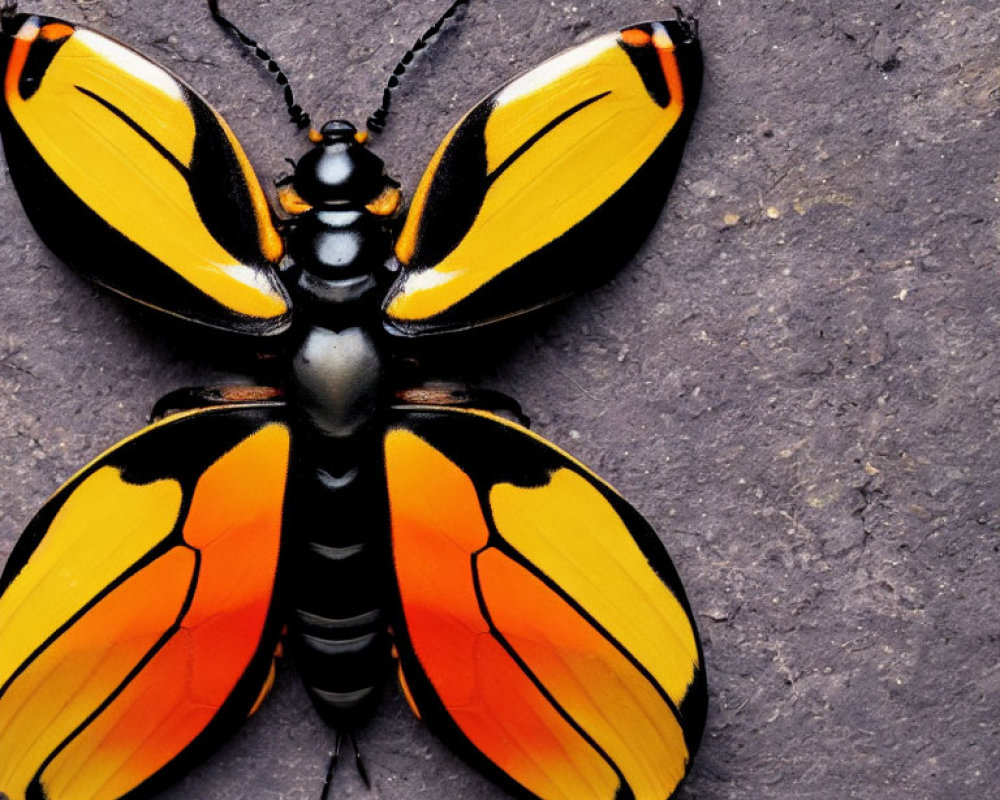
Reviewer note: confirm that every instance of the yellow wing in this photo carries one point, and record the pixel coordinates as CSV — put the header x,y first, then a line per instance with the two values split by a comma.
x,y
133,179
550,183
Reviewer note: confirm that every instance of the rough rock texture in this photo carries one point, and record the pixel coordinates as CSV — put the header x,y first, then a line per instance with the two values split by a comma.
x,y
796,380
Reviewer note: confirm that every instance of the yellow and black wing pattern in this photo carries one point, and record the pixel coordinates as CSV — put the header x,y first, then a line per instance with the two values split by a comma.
x,y
543,632
134,180
550,183
138,619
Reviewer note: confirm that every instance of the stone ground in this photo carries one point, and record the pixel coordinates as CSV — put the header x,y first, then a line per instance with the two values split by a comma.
x,y
796,380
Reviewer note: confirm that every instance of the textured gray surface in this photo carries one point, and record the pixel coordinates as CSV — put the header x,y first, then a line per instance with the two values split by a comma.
x,y
796,380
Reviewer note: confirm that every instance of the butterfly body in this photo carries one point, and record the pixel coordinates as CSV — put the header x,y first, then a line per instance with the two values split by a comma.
x,y
337,378
540,627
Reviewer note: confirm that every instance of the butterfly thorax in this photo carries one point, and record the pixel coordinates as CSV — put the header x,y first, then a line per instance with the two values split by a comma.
x,y
339,236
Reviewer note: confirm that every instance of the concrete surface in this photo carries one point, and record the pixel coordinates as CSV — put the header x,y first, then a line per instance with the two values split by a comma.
x,y
796,380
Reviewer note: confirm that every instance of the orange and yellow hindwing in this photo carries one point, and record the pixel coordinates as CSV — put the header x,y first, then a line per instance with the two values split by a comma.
x,y
137,611
543,631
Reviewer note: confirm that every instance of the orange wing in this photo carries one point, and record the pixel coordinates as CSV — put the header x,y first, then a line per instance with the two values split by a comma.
x,y
544,633
137,623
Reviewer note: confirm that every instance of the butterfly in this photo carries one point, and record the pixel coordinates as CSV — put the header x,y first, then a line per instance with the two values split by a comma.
x,y
534,618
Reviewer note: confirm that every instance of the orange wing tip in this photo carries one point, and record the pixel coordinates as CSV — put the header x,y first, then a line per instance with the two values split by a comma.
x,y
315,136
361,137
18,57
635,37
55,31
659,38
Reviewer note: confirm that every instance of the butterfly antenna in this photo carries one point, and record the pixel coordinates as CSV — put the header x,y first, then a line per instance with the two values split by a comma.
x,y
359,762
332,768
376,122
299,117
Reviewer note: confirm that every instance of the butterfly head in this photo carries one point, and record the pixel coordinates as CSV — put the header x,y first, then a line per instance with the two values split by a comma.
x,y
339,168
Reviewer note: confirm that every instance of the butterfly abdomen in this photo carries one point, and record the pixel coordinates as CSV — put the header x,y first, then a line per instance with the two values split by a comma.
x,y
338,528
338,240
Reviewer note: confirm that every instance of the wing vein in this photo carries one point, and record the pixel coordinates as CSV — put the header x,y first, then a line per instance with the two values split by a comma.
x,y
156,145
523,561
133,674
530,674
138,566
540,133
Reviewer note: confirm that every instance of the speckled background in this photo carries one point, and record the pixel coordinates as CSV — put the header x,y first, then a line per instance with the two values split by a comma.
x,y
796,380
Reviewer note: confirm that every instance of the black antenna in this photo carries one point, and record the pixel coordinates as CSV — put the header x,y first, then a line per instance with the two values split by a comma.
x,y
376,122
332,768
335,760
359,762
299,117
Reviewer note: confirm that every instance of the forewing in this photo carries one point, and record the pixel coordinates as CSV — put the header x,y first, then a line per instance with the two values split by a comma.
x,y
544,633
549,184
137,614
133,179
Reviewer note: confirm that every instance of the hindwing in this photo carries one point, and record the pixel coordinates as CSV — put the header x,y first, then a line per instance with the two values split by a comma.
x,y
137,612
543,632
